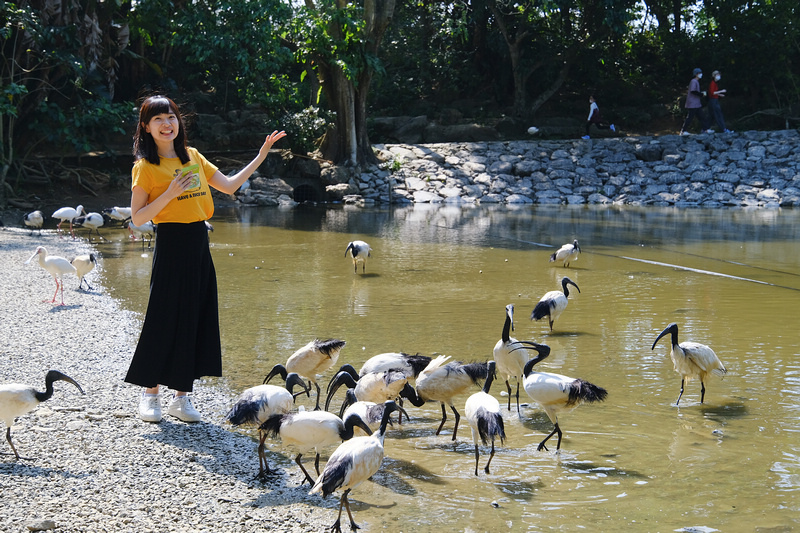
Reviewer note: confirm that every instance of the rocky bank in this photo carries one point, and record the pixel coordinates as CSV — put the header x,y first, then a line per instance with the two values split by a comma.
x,y
753,168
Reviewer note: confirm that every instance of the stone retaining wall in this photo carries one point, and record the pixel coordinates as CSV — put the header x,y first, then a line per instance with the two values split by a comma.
x,y
754,168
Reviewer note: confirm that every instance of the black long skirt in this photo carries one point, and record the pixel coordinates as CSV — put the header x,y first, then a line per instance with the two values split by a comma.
x,y
180,336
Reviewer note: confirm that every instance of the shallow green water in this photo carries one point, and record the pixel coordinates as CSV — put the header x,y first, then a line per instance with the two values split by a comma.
x,y
438,283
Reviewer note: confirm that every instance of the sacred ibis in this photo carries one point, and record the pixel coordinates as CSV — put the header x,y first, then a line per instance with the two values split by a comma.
x,y
34,220
510,361
83,265
557,393
359,251
410,365
312,430
553,303
120,214
440,382
146,232
483,414
353,462
567,253
68,214
57,266
92,221
370,412
17,399
256,404
377,387
692,360
314,358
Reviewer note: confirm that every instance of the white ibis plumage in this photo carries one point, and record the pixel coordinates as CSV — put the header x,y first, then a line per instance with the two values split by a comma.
x,y
556,393
359,252
353,462
692,360
17,399
567,253
312,430
83,265
410,365
34,220
256,404
377,387
553,303
312,359
91,221
483,414
370,412
57,266
511,360
68,214
120,214
442,382
146,231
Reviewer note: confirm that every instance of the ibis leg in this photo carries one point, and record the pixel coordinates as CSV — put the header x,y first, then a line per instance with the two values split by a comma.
x,y
491,456
702,391
508,386
297,460
476,459
444,419
458,418
681,394
353,525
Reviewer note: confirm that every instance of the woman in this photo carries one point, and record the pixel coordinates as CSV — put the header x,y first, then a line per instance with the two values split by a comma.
x,y
694,105
180,339
714,94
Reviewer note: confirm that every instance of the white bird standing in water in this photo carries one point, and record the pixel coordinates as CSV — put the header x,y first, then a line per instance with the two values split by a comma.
x,y
17,399
483,414
353,462
511,360
312,430
34,220
557,393
67,213
314,358
92,221
359,251
442,382
57,266
553,303
83,265
567,253
120,214
692,360
146,232
256,404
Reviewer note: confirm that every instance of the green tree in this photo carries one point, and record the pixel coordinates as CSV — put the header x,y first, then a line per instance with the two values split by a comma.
x,y
339,42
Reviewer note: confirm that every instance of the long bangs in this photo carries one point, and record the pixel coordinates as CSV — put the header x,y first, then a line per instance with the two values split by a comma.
x,y
144,147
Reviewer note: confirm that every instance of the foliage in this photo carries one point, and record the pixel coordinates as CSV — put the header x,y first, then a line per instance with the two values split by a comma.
x,y
305,128
59,64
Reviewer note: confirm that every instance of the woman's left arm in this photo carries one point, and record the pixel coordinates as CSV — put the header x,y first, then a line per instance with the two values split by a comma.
x,y
230,184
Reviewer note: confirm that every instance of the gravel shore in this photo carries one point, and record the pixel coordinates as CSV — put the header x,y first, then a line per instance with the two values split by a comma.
x,y
94,466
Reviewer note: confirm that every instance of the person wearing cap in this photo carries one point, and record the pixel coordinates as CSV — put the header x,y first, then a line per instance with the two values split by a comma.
x,y
714,94
694,106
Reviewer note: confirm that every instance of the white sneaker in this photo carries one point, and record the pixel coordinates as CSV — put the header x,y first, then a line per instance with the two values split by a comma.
x,y
181,407
709,130
585,137
684,133
150,407
613,128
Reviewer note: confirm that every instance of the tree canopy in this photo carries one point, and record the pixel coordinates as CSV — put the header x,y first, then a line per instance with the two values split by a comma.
x,y
73,71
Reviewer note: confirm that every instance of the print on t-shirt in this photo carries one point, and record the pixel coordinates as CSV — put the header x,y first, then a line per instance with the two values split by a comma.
x,y
194,172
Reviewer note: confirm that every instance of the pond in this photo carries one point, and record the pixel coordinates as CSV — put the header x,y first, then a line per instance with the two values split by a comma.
x,y
438,282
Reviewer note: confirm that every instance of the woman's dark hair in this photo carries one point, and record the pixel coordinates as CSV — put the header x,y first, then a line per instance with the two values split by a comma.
x,y
144,147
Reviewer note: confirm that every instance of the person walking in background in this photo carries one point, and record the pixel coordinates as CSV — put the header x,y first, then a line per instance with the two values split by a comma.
x,y
594,118
694,105
180,339
714,94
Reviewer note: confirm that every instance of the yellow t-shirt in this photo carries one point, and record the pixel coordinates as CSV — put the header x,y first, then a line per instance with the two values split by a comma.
x,y
195,203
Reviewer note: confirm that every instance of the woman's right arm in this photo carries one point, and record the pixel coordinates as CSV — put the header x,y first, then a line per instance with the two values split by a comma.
x,y
141,211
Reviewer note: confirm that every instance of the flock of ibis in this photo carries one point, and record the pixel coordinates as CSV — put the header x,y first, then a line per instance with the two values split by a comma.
x,y
386,381
382,385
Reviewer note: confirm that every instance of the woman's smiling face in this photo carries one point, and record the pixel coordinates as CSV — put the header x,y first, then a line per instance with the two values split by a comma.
x,y
164,127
